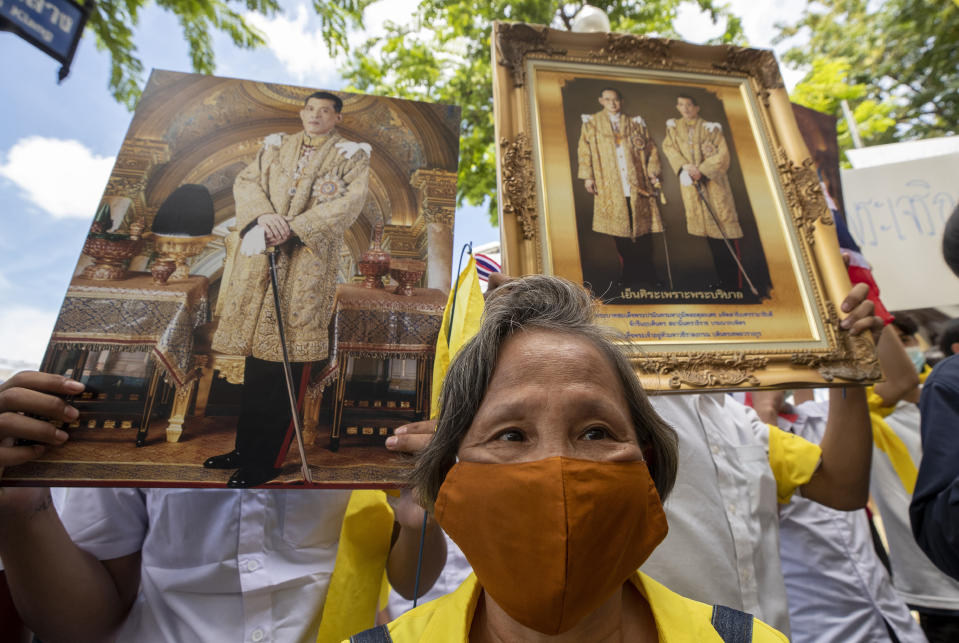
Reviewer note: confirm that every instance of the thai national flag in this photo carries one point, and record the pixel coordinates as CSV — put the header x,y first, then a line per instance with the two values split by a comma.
x,y
860,272
858,268
486,266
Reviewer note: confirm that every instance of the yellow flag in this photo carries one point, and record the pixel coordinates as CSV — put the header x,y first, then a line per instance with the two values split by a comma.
x,y
355,587
467,311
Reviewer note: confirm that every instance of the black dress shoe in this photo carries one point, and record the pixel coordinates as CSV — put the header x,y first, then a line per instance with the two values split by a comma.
x,y
251,477
229,460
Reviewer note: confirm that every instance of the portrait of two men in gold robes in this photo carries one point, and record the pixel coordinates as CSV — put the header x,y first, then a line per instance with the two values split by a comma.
x,y
660,199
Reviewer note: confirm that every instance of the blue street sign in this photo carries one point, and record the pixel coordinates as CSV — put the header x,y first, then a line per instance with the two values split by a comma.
x,y
54,26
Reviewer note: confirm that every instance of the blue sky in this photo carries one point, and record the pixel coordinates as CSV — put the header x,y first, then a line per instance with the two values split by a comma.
x,y
58,142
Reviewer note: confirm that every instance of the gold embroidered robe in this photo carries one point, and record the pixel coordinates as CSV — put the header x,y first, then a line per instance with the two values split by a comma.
x,y
597,160
320,206
702,143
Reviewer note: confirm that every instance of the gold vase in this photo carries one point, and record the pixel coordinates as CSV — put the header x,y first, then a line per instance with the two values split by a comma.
x,y
407,273
176,250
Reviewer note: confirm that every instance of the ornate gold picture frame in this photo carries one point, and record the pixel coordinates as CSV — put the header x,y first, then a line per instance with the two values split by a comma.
x,y
721,267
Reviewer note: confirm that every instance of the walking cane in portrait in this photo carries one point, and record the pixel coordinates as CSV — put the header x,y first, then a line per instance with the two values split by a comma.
x,y
253,242
287,369
658,189
702,197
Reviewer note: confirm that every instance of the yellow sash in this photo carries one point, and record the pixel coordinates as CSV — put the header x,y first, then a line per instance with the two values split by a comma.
x,y
889,443
351,601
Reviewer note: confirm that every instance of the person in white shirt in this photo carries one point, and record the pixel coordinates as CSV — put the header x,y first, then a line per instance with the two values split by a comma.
x,y
723,540
837,586
894,410
180,565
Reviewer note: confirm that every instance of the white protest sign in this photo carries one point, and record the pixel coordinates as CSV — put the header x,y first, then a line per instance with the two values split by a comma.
x,y
900,152
896,213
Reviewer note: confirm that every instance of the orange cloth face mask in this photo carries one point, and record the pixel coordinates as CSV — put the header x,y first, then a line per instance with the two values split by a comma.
x,y
551,540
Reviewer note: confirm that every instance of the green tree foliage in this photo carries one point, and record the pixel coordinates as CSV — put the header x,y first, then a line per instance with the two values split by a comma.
x,y
902,52
113,22
827,85
443,55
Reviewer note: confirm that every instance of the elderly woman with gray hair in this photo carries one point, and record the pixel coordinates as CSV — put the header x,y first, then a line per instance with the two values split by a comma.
x,y
547,468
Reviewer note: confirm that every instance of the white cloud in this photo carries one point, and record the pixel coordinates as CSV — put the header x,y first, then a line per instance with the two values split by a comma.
x,y
760,28
759,22
377,15
695,25
297,45
24,333
63,177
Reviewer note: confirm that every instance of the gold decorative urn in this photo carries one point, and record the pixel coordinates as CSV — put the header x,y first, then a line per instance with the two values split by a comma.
x,y
407,273
175,251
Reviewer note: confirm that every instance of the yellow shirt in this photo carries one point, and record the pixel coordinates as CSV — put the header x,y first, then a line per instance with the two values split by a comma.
x,y
448,619
793,461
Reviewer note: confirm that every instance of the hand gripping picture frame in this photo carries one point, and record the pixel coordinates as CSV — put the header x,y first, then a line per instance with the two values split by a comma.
x,y
672,180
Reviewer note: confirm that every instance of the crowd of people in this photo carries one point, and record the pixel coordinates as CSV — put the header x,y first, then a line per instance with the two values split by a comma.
x,y
581,509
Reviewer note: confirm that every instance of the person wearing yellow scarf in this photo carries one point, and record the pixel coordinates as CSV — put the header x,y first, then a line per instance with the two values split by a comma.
x,y
895,417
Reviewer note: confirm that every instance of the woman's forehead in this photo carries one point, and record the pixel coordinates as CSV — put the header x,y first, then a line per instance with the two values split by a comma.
x,y
552,360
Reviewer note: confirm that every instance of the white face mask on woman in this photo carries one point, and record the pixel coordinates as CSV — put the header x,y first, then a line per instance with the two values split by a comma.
x,y
917,356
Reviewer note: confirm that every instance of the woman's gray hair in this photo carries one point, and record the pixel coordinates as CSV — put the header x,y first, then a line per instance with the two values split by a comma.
x,y
536,302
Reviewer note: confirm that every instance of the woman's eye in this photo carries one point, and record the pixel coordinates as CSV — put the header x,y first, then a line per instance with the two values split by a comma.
x,y
595,433
510,435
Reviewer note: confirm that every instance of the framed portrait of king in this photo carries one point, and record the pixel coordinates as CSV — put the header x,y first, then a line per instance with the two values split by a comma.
x,y
671,179
245,226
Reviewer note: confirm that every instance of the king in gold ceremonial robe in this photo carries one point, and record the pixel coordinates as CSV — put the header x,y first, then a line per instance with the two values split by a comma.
x,y
301,193
620,166
320,190
697,151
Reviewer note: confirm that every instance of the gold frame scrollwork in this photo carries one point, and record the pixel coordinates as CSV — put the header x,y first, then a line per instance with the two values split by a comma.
x,y
526,222
804,196
519,193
